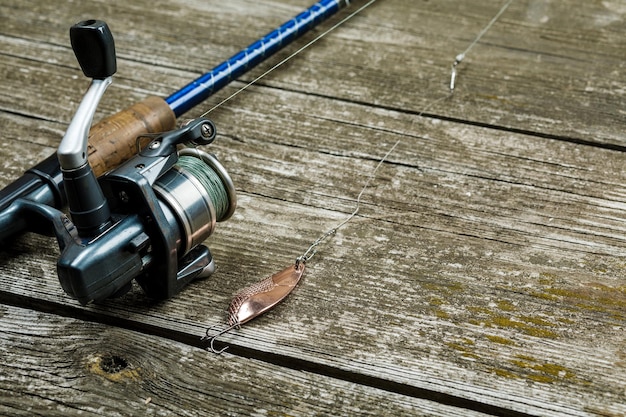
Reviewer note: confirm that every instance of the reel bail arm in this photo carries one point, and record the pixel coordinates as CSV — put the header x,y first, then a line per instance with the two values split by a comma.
x,y
94,48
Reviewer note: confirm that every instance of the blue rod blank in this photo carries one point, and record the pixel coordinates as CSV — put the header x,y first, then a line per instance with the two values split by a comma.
x,y
201,88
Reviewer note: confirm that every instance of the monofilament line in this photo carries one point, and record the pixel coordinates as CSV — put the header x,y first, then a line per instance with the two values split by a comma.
x,y
461,56
273,68
311,251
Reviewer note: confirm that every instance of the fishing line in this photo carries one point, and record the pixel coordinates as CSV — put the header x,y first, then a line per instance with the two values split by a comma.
x,y
460,57
310,252
261,296
210,181
297,52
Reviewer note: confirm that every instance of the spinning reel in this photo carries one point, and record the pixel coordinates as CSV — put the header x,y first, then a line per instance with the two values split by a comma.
x,y
145,220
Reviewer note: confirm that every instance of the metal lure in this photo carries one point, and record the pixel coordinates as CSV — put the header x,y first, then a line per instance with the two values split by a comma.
x,y
258,298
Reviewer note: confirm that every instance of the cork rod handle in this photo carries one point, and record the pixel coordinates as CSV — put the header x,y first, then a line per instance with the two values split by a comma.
x,y
113,139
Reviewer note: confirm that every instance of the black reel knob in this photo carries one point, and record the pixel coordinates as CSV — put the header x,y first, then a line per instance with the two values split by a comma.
x,y
94,48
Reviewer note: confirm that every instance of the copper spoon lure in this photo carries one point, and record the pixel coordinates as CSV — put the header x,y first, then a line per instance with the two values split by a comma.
x,y
258,298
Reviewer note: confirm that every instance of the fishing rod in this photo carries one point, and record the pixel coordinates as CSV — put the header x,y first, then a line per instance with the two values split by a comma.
x,y
136,213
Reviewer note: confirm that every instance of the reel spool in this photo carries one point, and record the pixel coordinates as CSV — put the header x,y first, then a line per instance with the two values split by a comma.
x,y
199,192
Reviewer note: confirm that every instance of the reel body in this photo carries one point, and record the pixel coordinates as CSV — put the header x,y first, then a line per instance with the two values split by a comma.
x,y
160,215
144,220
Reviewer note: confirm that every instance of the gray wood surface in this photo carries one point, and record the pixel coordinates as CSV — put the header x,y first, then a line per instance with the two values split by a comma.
x,y
485,272
104,370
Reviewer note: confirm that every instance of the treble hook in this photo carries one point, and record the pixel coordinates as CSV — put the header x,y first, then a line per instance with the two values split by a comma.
x,y
211,339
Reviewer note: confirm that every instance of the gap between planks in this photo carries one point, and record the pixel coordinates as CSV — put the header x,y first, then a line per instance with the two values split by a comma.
x,y
296,364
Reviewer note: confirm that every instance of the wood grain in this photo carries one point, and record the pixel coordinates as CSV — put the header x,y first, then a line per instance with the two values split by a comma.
x,y
486,268
66,367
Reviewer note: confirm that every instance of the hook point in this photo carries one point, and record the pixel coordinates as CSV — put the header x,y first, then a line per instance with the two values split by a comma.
x,y
211,339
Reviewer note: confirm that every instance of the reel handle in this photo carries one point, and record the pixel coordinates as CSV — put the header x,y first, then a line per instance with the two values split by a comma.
x,y
94,48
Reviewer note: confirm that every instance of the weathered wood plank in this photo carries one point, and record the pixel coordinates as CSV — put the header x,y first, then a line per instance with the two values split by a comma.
x,y
497,303
486,265
396,55
64,366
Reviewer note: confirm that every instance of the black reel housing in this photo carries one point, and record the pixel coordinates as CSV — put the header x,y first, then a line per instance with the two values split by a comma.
x,y
145,220
146,241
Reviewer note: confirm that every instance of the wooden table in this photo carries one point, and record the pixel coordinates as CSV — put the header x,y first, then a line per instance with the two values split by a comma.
x,y
484,274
